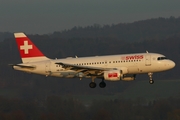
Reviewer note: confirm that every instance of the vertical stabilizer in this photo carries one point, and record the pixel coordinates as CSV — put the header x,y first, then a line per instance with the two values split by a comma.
x,y
28,51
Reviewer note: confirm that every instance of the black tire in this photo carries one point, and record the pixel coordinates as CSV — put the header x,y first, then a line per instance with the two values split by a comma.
x,y
92,85
151,81
102,84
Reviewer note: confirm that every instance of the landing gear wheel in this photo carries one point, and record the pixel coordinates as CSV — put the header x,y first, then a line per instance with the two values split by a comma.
x,y
151,81
92,85
102,84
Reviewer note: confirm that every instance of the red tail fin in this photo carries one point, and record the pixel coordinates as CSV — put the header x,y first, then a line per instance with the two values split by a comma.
x,y
28,51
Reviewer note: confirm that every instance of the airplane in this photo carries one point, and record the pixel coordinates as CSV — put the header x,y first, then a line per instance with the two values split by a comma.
x,y
110,67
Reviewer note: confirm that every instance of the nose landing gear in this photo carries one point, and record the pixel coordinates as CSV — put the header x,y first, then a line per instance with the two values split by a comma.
x,y
151,81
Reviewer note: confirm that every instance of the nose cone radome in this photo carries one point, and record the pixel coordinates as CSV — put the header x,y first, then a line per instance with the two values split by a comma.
x,y
172,64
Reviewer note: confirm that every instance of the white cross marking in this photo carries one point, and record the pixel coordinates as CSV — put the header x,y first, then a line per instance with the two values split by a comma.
x,y
26,47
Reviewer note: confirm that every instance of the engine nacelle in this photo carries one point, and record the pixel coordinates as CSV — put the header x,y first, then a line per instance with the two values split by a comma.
x,y
128,77
112,75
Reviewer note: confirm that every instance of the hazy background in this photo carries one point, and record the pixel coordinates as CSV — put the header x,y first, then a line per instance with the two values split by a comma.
x,y
47,16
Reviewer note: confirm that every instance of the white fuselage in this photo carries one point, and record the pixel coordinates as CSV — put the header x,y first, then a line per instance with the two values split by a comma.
x,y
130,64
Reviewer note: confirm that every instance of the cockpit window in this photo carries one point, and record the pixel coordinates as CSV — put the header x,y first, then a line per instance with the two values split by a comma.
x,y
161,58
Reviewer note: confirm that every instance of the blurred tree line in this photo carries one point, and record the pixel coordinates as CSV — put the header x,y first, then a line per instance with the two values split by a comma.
x,y
157,28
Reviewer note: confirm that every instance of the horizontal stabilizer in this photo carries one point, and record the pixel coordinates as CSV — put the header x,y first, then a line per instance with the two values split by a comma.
x,y
23,66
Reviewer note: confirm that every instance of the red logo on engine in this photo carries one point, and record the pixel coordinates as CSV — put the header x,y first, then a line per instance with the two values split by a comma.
x,y
110,75
134,57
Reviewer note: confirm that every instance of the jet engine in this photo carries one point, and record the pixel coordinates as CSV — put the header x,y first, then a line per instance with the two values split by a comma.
x,y
112,75
128,77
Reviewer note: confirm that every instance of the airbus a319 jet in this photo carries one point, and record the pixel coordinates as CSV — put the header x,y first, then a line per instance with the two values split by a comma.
x,y
111,67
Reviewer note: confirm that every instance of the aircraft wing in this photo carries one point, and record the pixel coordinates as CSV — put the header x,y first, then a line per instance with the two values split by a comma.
x,y
88,70
22,66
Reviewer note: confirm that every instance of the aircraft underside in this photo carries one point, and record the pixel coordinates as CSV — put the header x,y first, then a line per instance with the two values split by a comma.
x,y
102,84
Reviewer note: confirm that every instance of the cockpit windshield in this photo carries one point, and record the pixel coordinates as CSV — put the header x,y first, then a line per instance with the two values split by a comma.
x,y
161,58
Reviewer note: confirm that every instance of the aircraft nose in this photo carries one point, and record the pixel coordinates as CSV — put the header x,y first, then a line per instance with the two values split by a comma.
x,y
172,64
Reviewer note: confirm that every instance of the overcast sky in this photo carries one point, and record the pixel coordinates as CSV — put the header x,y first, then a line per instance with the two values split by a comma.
x,y
47,16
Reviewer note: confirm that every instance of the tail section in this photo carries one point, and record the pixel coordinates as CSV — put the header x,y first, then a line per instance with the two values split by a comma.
x,y
28,51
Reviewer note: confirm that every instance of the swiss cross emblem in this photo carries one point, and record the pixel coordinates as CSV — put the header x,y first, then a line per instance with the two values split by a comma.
x,y
110,75
26,47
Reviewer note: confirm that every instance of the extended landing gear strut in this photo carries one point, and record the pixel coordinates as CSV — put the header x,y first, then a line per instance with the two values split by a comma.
x,y
151,81
92,84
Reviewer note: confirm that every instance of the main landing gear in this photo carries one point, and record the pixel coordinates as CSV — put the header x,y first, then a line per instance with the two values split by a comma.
x,y
151,81
102,84
92,84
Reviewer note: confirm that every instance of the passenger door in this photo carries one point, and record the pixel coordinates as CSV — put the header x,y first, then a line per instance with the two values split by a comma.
x,y
148,60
